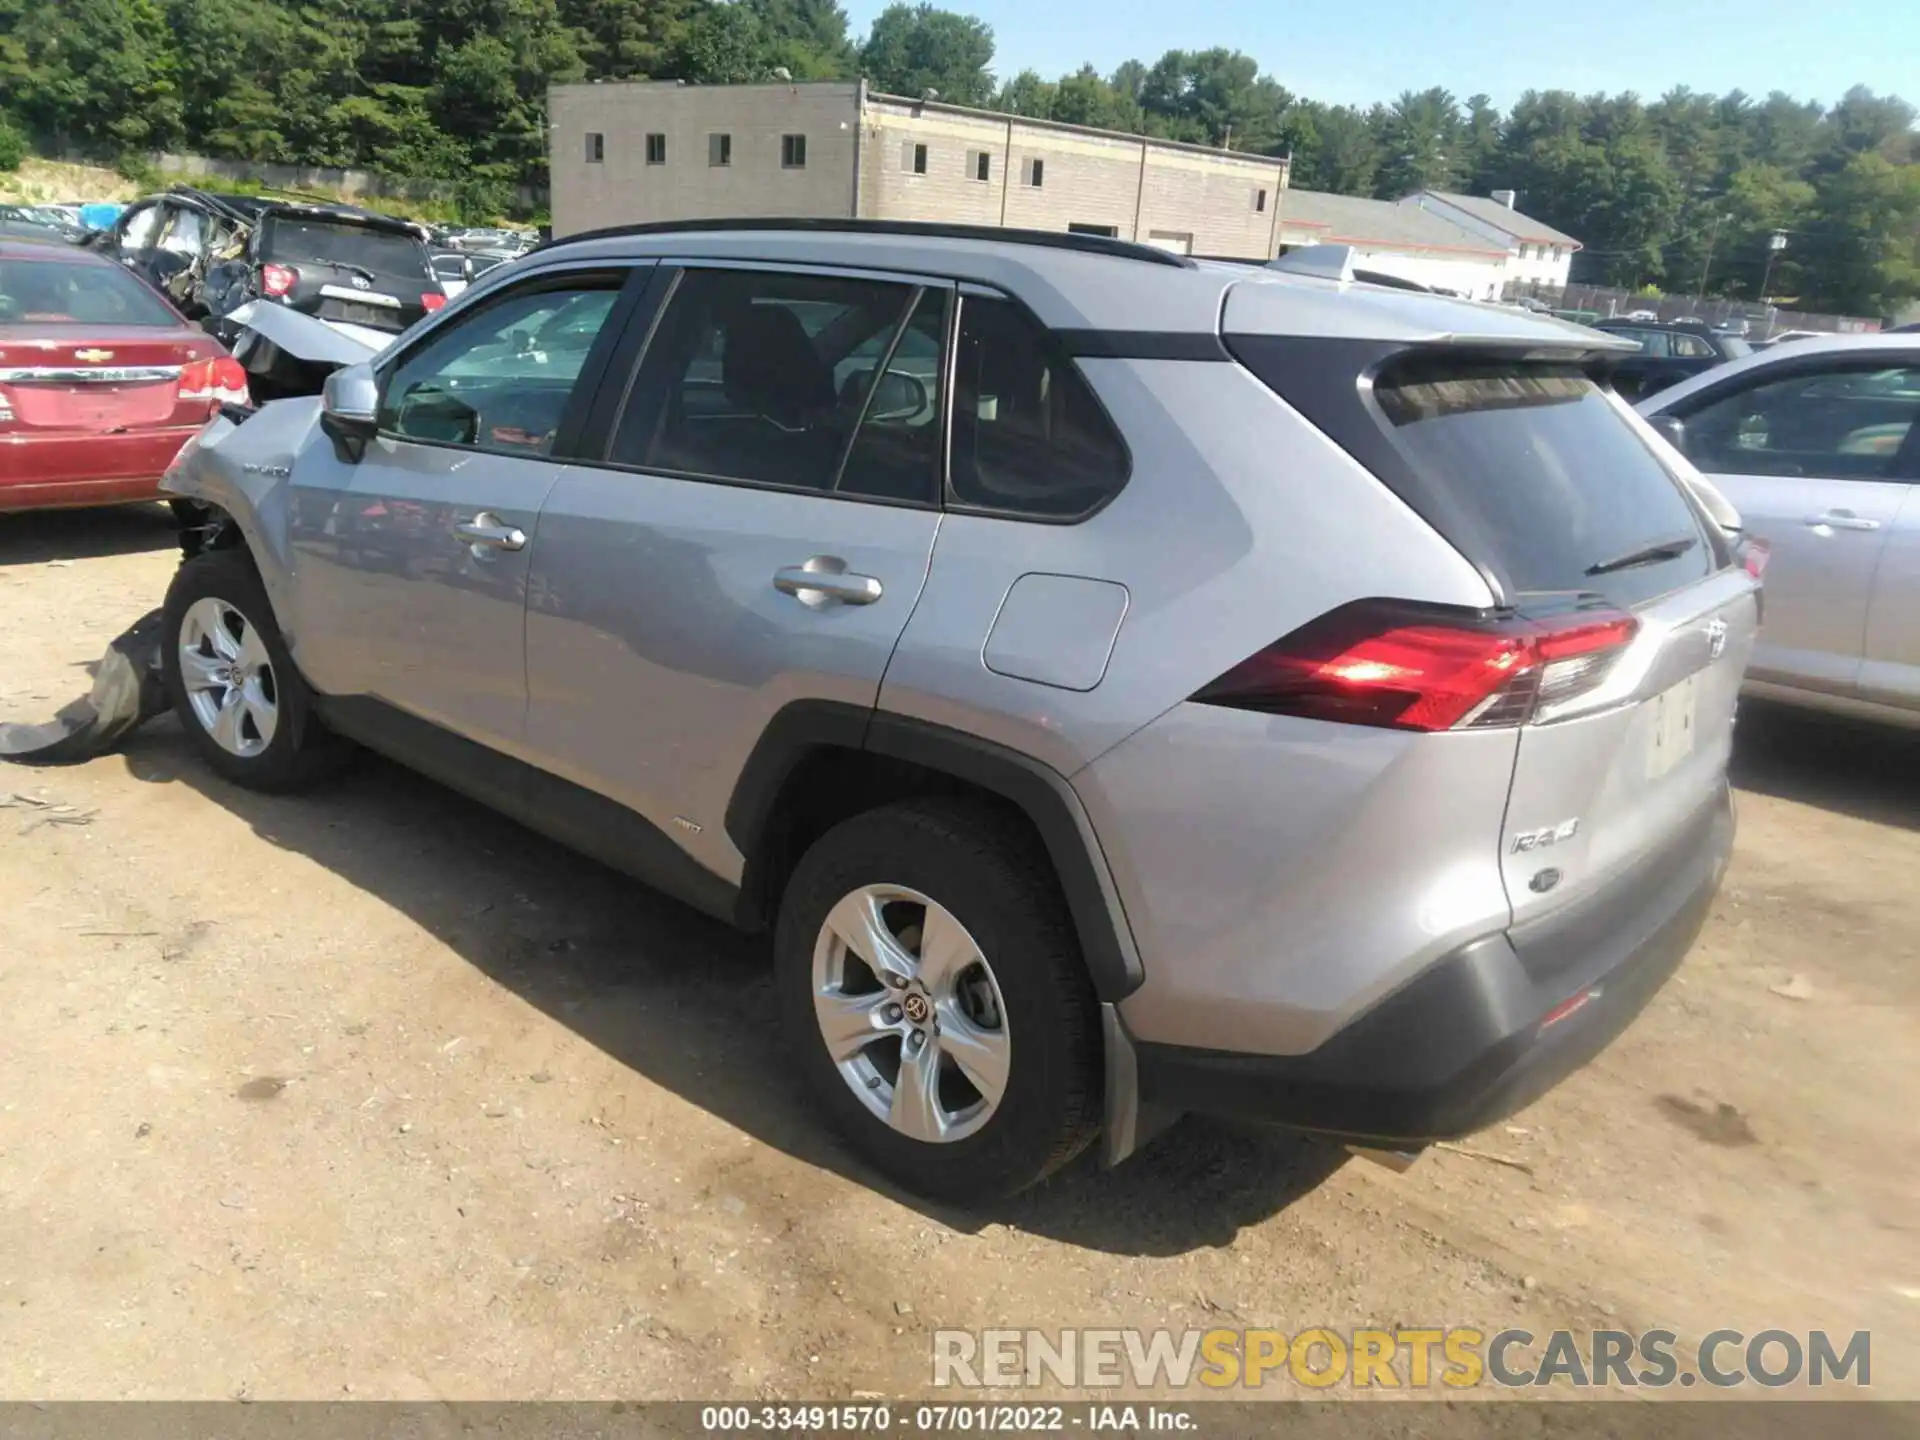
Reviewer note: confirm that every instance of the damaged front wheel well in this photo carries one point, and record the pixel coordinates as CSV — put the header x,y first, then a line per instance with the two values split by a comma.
x,y
204,527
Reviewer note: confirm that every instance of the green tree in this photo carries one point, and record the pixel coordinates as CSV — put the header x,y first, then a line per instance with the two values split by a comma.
x,y
1422,142
1026,94
13,146
723,45
99,73
806,37
1857,252
912,49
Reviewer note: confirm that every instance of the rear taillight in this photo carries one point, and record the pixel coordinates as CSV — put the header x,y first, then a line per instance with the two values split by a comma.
x,y
433,301
277,280
218,381
1753,554
1413,667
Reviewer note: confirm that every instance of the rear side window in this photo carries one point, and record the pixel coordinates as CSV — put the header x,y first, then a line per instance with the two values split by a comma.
x,y
1029,438
1552,483
62,292
291,241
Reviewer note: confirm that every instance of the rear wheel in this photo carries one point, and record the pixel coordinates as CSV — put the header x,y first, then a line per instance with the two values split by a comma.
x,y
931,985
233,685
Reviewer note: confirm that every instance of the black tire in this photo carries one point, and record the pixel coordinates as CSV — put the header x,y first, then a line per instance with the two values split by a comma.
x,y
300,750
987,870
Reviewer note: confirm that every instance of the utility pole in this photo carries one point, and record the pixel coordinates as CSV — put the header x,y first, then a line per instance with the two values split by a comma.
x,y
1775,244
1713,237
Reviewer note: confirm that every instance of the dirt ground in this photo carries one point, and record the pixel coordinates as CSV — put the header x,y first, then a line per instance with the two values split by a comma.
x,y
370,1093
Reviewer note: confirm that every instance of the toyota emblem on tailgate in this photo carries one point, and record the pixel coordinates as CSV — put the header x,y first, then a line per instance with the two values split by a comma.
x,y
360,282
1716,639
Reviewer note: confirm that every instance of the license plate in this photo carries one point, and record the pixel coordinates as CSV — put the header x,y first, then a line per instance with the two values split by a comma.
x,y
356,314
1672,731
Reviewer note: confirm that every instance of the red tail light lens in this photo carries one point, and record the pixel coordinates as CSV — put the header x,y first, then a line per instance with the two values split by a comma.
x,y
433,301
218,381
1753,554
277,280
1411,667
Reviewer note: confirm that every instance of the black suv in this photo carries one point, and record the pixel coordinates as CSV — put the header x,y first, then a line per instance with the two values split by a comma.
x,y
212,253
1670,351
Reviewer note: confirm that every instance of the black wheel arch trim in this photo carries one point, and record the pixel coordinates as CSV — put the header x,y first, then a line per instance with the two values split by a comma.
x,y
1039,792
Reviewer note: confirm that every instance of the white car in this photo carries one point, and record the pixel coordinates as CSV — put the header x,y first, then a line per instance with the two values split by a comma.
x,y
1816,445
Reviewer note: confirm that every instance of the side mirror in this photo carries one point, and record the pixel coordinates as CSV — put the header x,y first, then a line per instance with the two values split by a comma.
x,y
350,406
897,396
1672,429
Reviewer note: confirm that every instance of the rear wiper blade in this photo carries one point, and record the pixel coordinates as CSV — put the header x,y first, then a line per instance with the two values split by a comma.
x,y
362,271
1646,555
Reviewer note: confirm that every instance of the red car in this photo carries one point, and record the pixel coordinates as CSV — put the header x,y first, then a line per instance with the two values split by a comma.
x,y
101,380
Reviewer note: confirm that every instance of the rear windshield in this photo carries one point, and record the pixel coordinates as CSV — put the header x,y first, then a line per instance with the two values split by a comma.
x,y
62,292
1733,347
291,241
1552,480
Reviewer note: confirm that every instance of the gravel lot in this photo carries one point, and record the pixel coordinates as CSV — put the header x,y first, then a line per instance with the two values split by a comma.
x,y
371,1093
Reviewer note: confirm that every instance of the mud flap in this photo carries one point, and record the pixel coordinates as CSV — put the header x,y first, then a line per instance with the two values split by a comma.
x,y
127,691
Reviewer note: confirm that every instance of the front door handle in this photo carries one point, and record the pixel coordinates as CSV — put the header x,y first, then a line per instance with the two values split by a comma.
x,y
1842,520
487,531
825,578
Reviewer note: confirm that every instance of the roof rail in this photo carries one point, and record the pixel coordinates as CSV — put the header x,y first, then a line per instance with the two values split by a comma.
x,y
925,230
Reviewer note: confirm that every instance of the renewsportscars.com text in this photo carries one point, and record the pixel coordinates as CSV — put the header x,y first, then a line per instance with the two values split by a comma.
x,y
1455,1358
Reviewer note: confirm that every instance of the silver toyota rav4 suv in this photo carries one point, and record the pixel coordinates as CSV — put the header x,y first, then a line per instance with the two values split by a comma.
x,y
1123,686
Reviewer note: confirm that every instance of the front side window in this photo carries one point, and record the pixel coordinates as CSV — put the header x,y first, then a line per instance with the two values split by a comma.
x,y
1846,422
1690,347
500,379
803,381
1029,438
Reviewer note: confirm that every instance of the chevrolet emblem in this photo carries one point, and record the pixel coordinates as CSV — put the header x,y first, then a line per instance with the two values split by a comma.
x,y
93,357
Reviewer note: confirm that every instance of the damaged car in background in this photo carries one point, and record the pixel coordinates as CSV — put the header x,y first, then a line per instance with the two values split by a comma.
x,y
366,274
278,354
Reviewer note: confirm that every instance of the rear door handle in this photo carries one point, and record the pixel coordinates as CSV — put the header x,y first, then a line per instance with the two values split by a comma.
x,y
487,531
824,578
1842,520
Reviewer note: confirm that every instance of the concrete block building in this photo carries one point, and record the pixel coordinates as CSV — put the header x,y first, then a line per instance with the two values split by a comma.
x,y
624,153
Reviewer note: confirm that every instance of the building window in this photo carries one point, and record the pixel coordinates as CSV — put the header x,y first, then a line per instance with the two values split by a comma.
x,y
793,152
982,165
656,149
1554,253
1112,232
596,147
1036,172
719,149
919,160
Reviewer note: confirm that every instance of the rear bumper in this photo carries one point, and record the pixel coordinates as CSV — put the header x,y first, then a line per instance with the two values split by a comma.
x,y
51,470
1475,1037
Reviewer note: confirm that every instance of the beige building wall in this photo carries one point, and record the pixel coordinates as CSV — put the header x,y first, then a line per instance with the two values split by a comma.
x,y
622,188
1189,197
860,160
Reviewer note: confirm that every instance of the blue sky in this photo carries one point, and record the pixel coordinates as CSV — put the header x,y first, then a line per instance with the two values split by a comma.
x,y
1369,50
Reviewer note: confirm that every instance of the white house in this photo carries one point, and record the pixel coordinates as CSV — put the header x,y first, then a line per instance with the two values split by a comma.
x,y
1398,240
1538,256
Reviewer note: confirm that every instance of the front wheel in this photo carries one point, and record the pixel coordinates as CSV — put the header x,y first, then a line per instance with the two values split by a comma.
x,y
931,984
233,685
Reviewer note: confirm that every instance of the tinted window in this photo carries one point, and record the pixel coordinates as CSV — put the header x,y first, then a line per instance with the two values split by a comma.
x,y
290,241
1651,342
1690,347
500,378
1555,481
763,376
60,292
896,451
1847,422
1028,435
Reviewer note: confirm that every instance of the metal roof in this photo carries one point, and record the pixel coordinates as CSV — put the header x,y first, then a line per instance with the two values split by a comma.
x,y
1489,211
1354,220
